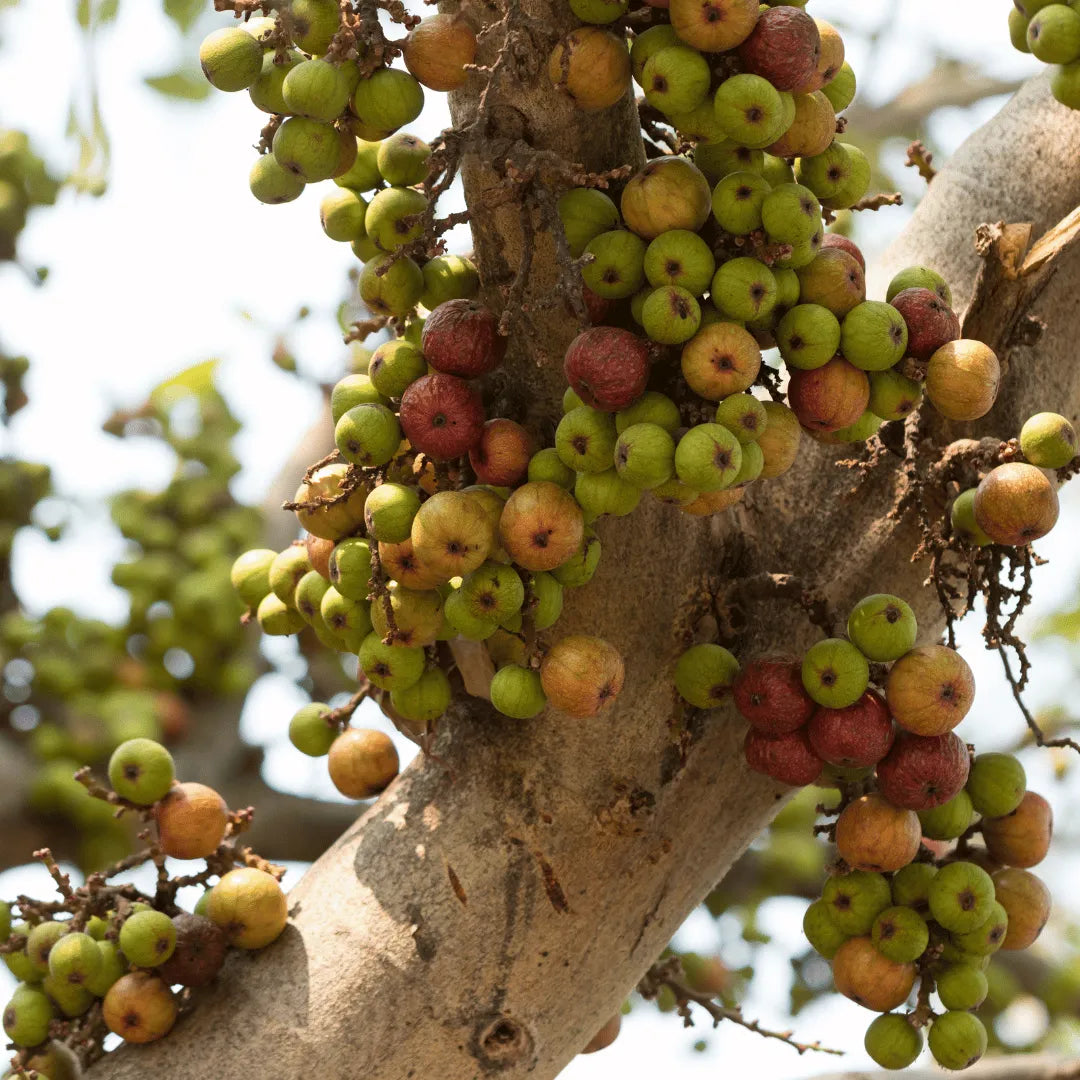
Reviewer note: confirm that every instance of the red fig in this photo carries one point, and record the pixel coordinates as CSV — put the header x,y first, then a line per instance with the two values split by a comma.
x,y
771,695
442,416
461,337
923,771
607,367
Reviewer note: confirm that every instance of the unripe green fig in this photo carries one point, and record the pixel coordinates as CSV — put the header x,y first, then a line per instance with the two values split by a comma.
x,y
882,627
873,336
342,214
744,289
855,900
824,935
892,395
250,575
961,987
675,79
363,174
750,110
270,182
808,336
962,520
919,277
957,1040
265,91
900,934
395,217
585,440
645,455
448,277
680,257
309,149
647,44
744,416
585,213
148,938
27,1014
316,89
75,959
578,570
230,59
396,365
368,435
389,511
835,673
737,201
278,619
1048,440
911,885
141,770
1053,34
892,1041
396,290
617,270
548,593
387,100
961,897
670,315
996,784
704,675
403,159
346,618
546,465
309,732
391,667
426,700
355,389
708,458
651,408
840,90
316,22
949,820
350,568
516,692
791,214
600,493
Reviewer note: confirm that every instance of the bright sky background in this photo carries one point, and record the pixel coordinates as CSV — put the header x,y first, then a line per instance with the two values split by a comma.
x,y
158,274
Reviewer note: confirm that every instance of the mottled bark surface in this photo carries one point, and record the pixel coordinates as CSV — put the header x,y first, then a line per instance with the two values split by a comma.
x,y
490,912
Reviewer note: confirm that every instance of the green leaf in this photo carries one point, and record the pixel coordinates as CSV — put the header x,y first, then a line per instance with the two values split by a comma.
x,y
184,12
183,84
197,379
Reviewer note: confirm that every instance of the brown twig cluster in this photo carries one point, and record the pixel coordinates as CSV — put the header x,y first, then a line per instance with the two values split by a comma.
x,y
667,974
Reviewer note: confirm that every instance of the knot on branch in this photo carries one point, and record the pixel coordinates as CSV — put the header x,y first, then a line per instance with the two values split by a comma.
x,y
501,1042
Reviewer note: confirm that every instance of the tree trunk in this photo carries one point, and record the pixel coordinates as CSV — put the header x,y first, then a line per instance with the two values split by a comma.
x,y
493,909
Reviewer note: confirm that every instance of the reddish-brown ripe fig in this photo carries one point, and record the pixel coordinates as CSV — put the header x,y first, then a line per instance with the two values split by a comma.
x,y
199,953
191,821
1015,504
784,47
771,695
319,551
930,321
837,240
788,758
855,737
1026,901
607,367
921,772
605,1036
872,834
541,525
442,416
501,457
863,974
582,675
461,337
139,1007
1021,838
830,397
597,306
930,690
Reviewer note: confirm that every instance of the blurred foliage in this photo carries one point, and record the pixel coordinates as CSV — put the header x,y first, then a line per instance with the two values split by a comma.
x,y
74,687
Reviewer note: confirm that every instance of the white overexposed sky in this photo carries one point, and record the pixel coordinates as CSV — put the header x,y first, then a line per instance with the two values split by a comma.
x,y
177,263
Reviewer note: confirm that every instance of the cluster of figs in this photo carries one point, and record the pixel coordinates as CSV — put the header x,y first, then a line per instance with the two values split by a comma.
x,y
914,905
107,958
